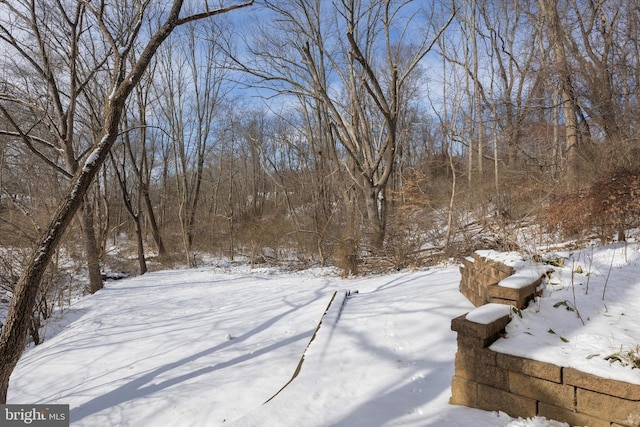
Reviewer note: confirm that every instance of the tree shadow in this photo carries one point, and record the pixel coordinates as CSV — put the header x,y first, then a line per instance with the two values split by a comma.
x,y
144,385
398,402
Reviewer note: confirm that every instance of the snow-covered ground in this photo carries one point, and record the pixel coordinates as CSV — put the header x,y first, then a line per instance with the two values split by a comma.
x,y
590,310
209,347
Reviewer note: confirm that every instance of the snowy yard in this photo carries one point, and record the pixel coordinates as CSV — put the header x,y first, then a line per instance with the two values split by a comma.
x,y
209,347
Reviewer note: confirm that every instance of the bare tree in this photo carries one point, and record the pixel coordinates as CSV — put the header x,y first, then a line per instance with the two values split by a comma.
x,y
119,29
191,93
503,65
142,157
132,200
557,42
598,48
60,76
354,58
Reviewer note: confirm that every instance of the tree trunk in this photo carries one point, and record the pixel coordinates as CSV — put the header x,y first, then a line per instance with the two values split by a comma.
x,y
142,262
569,105
153,223
375,210
14,333
91,247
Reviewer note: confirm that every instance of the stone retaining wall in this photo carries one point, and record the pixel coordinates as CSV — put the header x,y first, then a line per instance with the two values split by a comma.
x,y
480,283
521,387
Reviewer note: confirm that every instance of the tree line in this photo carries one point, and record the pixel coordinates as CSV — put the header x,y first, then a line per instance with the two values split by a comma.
x,y
304,131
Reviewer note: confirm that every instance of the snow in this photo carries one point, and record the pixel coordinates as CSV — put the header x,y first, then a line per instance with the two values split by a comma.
x,y
488,313
590,309
525,272
522,278
512,259
93,157
210,346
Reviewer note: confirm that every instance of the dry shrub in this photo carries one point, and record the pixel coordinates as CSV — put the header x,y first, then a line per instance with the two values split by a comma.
x,y
404,239
407,221
347,256
263,237
414,193
618,204
521,197
57,287
610,204
569,214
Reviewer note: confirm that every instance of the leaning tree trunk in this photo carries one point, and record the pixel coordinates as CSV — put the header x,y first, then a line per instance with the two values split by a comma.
x,y
14,333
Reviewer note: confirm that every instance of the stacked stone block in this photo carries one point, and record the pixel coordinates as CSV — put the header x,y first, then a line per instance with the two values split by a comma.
x,y
478,274
522,387
480,279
